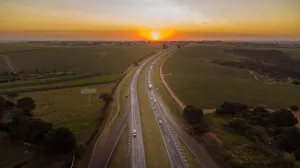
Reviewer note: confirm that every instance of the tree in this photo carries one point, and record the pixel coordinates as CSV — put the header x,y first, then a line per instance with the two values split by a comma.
x,y
26,102
60,140
9,104
192,115
288,139
294,108
239,124
231,108
297,154
106,97
283,118
28,129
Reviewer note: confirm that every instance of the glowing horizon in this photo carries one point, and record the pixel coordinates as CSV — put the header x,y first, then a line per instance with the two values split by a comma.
x,y
150,19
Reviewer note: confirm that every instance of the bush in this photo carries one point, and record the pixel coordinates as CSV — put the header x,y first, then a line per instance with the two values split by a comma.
x,y
297,154
60,140
239,124
9,105
288,139
26,102
231,108
192,115
201,128
283,118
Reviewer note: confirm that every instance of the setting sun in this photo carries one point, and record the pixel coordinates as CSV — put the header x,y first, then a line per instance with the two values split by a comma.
x,y
155,35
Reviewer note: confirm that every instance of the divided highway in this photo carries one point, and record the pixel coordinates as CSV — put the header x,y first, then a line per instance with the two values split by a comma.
x,y
175,156
137,152
202,156
102,155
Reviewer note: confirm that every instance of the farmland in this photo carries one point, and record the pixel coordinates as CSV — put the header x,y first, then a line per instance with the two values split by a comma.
x,y
79,82
105,59
196,80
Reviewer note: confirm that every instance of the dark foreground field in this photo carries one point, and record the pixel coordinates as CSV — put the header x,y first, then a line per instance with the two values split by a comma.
x,y
196,79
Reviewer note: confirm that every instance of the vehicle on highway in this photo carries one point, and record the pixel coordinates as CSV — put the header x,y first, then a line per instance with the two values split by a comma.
x,y
154,108
151,98
134,132
159,121
150,86
154,101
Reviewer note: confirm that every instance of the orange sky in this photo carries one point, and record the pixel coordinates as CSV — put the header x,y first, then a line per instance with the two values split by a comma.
x,y
149,19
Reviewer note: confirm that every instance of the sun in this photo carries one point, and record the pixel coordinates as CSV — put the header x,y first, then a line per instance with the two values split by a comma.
x,y
155,35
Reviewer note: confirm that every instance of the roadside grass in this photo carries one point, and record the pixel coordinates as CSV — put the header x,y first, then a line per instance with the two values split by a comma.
x,y
162,91
78,82
155,151
81,58
192,160
119,157
235,147
197,81
68,108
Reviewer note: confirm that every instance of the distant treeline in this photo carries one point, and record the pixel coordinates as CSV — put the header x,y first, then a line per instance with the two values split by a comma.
x,y
272,63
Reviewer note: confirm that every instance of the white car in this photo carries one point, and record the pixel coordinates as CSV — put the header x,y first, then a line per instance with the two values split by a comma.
x,y
154,101
154,108
159,121
134,132
151,98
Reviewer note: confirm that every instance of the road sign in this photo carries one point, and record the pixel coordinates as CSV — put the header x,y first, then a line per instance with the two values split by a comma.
x,y
88,91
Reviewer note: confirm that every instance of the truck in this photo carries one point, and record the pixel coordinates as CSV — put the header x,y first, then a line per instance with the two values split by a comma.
x,y
134,132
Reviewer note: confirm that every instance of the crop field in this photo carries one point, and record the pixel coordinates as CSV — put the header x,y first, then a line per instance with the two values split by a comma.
x,y
68,108
105,59
73,83
197,81
9,47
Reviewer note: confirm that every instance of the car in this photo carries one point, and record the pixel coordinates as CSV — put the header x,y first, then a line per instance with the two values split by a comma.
x,y
154,108
151,98
159,121
134,132
154,101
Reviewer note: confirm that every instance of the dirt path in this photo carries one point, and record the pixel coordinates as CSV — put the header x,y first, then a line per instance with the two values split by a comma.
x,y
178,101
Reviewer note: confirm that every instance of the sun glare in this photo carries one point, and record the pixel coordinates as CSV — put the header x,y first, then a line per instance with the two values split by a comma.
x,y
155,35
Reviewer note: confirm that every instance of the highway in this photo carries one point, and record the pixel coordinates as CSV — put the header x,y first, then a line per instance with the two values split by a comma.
x,y
102,155
176,157
202,156
137,152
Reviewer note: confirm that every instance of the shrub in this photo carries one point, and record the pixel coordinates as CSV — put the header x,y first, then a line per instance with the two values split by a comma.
x,y
294,108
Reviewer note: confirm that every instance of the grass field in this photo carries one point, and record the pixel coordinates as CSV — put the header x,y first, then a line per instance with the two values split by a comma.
x,y
78,82
67,107
162,91
9,47
105,59
155,151
197,81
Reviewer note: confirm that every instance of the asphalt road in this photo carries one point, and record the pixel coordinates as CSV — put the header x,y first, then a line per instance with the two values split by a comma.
x,y
202,156
102,155
175,156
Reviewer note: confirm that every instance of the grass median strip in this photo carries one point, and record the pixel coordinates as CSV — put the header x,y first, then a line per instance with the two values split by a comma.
x,y
155,151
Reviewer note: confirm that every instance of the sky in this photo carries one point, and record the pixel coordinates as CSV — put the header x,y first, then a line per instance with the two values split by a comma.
x,y
149,19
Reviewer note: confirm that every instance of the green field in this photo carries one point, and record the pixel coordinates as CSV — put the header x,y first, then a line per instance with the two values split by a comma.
x,y
79,82
105,59
197,81
9,47
67,107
